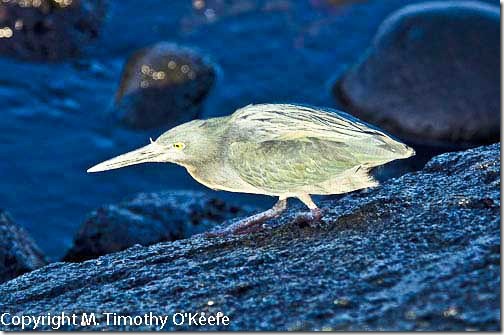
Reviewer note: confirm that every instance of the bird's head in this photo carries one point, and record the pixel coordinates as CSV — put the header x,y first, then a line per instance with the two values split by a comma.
x,y
183,145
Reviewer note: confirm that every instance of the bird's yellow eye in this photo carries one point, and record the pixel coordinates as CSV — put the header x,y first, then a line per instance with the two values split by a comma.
x,y
179,145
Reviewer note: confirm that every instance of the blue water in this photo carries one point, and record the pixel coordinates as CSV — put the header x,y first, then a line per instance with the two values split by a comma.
x,y
54,122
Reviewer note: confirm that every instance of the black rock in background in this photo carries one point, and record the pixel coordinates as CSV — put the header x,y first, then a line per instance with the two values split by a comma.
x,y
147,219
163,85
421,252
48,30
431,75
18,252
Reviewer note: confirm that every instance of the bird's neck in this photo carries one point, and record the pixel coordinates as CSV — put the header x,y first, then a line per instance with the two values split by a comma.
x,y
200,174
205,159
211,148
209,151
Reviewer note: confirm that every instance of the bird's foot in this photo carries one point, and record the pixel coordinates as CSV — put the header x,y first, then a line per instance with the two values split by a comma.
x,y
242,227
251,224
312,218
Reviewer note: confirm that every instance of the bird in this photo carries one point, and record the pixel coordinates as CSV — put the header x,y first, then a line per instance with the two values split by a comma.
x,y
280,150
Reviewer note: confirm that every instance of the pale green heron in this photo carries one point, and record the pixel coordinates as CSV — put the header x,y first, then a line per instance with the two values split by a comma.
x,y
280,150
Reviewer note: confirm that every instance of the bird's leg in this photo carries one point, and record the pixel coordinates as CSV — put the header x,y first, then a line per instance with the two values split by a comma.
x,y
251,224
315,213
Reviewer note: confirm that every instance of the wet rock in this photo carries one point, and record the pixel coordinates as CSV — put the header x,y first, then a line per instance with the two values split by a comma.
x,y
421,252
48,29
431,75
163,85
147,219
18,252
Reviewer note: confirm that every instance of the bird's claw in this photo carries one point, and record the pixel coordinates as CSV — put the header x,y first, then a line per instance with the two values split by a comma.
x,y
251,224
230,232
312,218
238,228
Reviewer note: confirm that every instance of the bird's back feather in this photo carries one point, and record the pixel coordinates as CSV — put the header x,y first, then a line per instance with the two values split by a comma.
x,y
285,121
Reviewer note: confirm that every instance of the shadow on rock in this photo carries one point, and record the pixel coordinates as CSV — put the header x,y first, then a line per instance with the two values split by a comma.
x,y
147,219
18,252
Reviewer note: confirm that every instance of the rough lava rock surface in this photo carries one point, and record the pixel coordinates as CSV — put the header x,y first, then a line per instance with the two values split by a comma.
x,y
431,75
163,85
49,30
421,252
18,252
149,218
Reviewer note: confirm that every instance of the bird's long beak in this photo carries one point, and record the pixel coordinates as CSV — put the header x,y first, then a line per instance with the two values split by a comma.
x,y
150,153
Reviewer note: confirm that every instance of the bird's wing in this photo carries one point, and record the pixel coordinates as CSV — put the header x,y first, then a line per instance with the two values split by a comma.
x,y
267,122
296,165
283,122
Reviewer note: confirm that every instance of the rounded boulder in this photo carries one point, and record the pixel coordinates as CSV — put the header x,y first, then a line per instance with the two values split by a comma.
x,y
431,75
162,86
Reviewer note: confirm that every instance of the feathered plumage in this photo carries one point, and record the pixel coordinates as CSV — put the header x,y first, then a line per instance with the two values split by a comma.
x,y
289,149
282,150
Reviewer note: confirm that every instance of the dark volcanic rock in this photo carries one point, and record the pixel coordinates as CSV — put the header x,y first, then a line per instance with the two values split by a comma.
x,y
421,252
147,219
163,85
48,29
431,75
18,252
